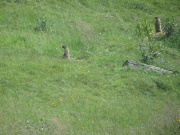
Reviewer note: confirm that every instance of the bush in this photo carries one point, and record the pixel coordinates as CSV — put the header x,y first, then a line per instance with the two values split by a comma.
x,y
144,28
170,27
172,33
149,51
40,25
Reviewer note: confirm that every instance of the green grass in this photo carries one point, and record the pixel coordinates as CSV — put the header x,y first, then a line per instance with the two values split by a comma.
x,y
42,93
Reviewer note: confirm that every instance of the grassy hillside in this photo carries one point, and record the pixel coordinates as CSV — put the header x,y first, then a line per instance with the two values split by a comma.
x,y
90,94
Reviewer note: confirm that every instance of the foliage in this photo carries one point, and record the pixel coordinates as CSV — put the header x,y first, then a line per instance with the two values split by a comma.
x,y
170,26
40,25
138,6
172,33
41,93
150,51
144,28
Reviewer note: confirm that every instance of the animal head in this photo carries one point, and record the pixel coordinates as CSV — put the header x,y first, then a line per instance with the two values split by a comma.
x,y
156,17
64,46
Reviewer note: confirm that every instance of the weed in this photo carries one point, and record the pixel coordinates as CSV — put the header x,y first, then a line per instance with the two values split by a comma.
x,y
40,25
170,26
92,96
162,85
149,51
138,6
174,40
172,33
144,28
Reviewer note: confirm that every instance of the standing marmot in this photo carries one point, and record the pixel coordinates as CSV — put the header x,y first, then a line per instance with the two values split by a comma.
x,y
66,52
158,24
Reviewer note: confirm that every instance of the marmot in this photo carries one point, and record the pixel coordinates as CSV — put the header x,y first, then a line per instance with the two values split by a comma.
x,y
66,52
158,24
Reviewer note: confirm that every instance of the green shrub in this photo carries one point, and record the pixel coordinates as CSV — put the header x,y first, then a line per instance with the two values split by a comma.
x,y
172,33
144,28
40,25
149,51
170,26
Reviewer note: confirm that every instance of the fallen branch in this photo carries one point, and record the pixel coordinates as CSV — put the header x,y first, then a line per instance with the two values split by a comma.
x,y
150,67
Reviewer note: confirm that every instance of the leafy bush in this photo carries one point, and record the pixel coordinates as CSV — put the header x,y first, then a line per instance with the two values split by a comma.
x,y
172,33
149,51
144,28
170,26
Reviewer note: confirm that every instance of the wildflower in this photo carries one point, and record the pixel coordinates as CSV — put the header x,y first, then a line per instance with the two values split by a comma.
x,y
179,120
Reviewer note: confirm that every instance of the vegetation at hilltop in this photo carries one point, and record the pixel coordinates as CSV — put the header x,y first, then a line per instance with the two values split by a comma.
x,y
91,94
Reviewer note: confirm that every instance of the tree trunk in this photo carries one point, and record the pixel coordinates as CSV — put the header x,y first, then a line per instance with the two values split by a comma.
x,y
149,67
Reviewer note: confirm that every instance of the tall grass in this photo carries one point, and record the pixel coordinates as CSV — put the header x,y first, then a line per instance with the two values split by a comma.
x,y
41,93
